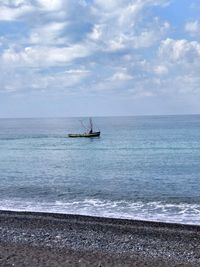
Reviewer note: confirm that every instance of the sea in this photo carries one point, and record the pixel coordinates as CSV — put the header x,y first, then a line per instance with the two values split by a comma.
x,y
141,168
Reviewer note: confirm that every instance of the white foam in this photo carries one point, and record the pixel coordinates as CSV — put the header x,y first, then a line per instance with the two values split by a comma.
x,y
155,211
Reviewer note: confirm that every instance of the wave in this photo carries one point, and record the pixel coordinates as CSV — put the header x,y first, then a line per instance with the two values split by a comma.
x,y
184,213
29,137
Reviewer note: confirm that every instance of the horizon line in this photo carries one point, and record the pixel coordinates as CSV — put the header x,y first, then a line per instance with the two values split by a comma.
x,y
102,116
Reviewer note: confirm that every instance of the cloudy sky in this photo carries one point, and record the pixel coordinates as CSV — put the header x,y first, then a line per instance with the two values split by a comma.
x,y
99,57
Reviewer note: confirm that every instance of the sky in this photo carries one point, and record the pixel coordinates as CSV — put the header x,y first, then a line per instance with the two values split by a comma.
x,y
63,58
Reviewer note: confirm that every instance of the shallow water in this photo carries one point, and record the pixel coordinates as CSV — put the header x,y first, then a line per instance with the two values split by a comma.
x,y
141,167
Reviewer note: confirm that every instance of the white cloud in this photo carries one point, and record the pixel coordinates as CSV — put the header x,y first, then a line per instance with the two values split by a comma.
x,y
34,80
77,71
50,5
48,34
120,25
96,32
110,5
44,56
121,76
193,27
161,70
15,10
180,50
14,3
64,33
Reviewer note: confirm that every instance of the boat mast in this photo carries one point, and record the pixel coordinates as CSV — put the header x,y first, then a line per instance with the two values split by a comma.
x,y
91,125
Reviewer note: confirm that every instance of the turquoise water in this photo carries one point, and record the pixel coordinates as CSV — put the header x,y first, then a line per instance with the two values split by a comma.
x,y
144,167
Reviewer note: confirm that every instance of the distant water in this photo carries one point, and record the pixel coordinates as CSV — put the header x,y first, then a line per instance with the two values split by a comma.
x,y
141,167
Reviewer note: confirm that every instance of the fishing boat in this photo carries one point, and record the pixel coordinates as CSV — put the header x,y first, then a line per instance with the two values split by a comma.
x,y
89,133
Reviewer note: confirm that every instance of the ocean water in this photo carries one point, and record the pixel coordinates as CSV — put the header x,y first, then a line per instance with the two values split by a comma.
x,y
145,167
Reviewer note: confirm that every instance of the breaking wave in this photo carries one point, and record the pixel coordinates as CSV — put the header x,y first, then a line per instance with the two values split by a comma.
x,y
151,211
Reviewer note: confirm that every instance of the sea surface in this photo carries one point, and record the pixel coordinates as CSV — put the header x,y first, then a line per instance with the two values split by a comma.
x,y
144,167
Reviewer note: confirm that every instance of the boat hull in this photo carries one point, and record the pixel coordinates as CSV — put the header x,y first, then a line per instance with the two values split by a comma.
x,y
95,134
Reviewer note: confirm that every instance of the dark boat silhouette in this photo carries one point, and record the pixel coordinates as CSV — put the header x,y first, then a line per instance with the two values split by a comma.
x,y
89,133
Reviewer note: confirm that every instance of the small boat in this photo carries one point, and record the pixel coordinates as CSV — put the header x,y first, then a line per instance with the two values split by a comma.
x,y
94,134
89,133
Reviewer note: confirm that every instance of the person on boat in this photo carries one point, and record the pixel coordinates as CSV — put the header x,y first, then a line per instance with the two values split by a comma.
x,y
91,127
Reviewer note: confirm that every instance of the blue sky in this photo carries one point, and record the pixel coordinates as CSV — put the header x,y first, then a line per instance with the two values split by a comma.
x,y
97,57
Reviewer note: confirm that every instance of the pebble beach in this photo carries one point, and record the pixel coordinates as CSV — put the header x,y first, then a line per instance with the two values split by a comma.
x,y
47,239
